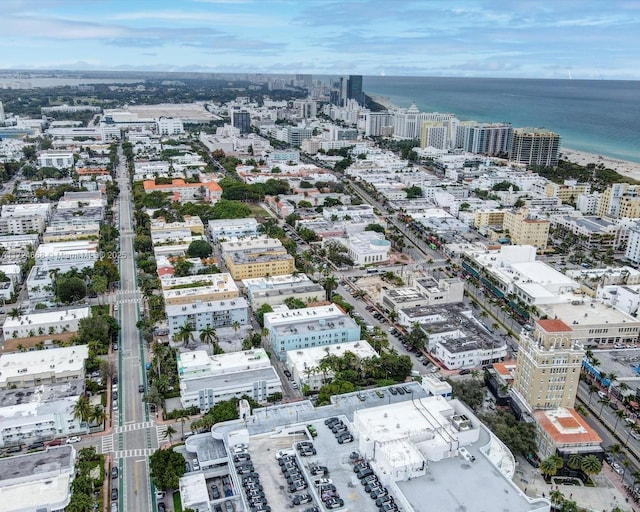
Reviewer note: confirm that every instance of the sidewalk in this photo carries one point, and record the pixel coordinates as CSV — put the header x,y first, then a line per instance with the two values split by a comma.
x,y
607,494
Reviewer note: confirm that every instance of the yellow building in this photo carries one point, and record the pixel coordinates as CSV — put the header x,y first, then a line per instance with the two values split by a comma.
x,y
620,200
568,191
525,231
486,218
548,366
191,223
257,257
630,207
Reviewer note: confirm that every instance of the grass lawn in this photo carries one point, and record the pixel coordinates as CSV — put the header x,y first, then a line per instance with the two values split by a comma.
x,y
257,211
177,502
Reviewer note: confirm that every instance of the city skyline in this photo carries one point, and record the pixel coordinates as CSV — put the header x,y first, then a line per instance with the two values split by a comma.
x,y
476,39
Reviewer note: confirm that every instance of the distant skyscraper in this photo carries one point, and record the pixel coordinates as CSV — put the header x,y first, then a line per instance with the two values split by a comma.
x,y
305,80
240,119
534,146
484,138
1,113
354,89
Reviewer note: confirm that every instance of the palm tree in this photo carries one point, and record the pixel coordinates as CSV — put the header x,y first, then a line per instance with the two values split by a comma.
x,y
550,466
614,449
575,461
182,417
569,506
236,326
82,409
329,283
556,498
15,313
208,335
612,377
619,415
170,432
591,465
185,333
604,401
98,415
592,389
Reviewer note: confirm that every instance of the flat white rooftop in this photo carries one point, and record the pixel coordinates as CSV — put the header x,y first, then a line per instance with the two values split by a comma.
x,y
230,362
63,359
303,315
37,481
220,282
588,313
47,317
311,357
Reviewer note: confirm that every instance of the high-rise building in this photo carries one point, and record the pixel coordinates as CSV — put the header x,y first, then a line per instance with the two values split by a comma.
x,y
240,119
534,146
483,138
350,88
548,366
354,89
2,118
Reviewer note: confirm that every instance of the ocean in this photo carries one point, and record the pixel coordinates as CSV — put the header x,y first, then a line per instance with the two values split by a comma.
x,y
597,116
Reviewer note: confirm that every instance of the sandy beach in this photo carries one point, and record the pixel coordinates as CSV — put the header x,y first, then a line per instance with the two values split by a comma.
x,y
629,169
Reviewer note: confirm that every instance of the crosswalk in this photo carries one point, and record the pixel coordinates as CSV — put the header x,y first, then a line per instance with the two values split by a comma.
x,y
136,452
161,432
134,426
107,444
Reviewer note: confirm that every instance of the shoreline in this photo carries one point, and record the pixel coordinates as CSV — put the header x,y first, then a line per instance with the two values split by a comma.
x,y
623,167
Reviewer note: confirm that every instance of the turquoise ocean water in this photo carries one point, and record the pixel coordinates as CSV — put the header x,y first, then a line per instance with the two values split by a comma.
x,y
598,116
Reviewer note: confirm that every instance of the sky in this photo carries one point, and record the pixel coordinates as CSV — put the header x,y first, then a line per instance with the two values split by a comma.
x,y
580,39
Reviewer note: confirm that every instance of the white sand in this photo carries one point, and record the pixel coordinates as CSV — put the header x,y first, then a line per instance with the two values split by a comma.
x,y
629,169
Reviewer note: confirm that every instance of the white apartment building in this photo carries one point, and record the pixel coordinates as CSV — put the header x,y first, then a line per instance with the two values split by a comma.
x,y
42,367
368,247
150,169
306,364
215,313
65,255
224,229
57,159
22,225
632,252
170,126
309,327
275,290
206,380
39,480
626,298
36,420
44,323
188,290
424,292
43,210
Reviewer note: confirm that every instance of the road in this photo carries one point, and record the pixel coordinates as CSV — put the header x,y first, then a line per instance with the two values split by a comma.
x,y
604,421
133,437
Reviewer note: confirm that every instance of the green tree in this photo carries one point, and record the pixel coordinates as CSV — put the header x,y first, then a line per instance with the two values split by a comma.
x,y
265,308
199,249
167,467
209,336
170,432
70,289
550,466
591,465
329,284
82,409
185,333
375,227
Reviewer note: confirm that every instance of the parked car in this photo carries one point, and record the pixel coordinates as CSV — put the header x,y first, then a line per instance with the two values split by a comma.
x,y
301,499
114,472
464,371
114,494
617,468
38,445
215,492
318,470
73,439
345,438
393,391
162,507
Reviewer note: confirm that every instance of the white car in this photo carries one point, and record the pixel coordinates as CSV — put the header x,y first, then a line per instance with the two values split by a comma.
x,y
282,453
73,439
617,468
